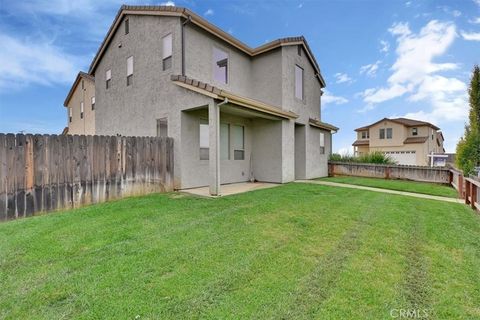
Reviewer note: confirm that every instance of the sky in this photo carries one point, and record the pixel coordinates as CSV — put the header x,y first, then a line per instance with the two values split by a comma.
x,y
379,58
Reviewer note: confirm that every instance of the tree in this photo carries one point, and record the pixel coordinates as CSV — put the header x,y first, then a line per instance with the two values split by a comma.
x,y
468,148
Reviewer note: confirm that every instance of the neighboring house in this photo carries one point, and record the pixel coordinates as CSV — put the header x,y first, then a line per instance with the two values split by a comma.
x,y
407,141
235,113
80,104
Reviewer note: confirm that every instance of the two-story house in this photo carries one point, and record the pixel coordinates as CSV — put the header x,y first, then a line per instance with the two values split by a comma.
x,y
235,113
407,141
80,104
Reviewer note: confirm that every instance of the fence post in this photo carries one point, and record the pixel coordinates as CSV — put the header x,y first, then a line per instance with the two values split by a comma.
x,y
460,186
473,197
467,191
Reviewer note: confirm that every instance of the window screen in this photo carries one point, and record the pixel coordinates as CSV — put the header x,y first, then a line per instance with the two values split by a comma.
x,y
389,133
382,134
129,70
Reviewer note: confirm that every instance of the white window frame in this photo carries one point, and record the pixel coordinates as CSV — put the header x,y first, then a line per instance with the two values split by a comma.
x,y
322,142
108,78
238,147
92,101
204,124
130,70
82,106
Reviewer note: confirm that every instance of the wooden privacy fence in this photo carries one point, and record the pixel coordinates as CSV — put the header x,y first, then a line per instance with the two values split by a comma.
x,y
388,171
468,188
41,173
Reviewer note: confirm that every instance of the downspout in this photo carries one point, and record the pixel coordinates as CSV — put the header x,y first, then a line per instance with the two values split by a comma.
x,y
183,42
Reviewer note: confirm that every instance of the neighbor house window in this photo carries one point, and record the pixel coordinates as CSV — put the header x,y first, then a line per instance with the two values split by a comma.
x,y
127,26
322,143
204,141
238,142
298,82
70,114
389,133
365,135
83,85
162,127
220,66
81,110
108,78
382,134
224,141
414,131
93,103
129,70
167,52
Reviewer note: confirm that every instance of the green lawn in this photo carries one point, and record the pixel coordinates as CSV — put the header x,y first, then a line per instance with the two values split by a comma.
x,y
434,189
297,251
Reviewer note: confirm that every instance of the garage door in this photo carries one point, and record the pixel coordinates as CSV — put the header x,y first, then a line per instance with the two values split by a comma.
x,y
403,157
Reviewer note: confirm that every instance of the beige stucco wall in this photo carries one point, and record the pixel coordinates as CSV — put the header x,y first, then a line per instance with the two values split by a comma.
x,y
87,124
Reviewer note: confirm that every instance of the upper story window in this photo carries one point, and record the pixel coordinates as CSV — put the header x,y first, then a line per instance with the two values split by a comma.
x,y
167,52
220,66
389,133
70,114
93,103
162,127
298,82
381,134
238,142
414,131
81,110
83,85
322,143
299,50
129,70
108,78
127,26
365,135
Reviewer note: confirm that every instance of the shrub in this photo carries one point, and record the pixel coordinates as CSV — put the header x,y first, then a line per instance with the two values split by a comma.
x,y
372,157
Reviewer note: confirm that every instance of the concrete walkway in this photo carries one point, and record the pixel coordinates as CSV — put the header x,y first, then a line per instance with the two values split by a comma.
x,y
402,193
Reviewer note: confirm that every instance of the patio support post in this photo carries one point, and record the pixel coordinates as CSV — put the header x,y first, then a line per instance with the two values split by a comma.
x,y
214,147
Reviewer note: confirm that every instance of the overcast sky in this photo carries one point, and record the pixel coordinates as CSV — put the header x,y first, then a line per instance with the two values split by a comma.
x,y
379,58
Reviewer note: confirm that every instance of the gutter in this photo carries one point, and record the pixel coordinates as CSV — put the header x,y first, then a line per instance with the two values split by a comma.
x,y
189,18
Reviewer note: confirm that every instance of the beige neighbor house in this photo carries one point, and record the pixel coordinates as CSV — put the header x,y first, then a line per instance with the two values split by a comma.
x,y
407,141
235,113
80,104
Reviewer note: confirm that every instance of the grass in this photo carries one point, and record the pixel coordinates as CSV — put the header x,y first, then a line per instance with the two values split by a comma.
x,y
297,251
433,189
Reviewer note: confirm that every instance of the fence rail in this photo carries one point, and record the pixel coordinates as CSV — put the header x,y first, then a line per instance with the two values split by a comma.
x,y
42,173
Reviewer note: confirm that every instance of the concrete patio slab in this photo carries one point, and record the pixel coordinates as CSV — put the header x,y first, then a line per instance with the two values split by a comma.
x,y
231,189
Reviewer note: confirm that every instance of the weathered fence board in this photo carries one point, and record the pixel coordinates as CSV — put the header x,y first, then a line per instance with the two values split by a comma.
x,y
42,173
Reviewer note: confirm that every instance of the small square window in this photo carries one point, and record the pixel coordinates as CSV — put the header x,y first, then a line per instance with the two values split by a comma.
x,y
162,127
382,133
389,133
414,131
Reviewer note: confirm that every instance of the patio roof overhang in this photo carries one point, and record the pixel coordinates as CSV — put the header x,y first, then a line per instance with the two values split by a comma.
x,y
232,98
322,125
